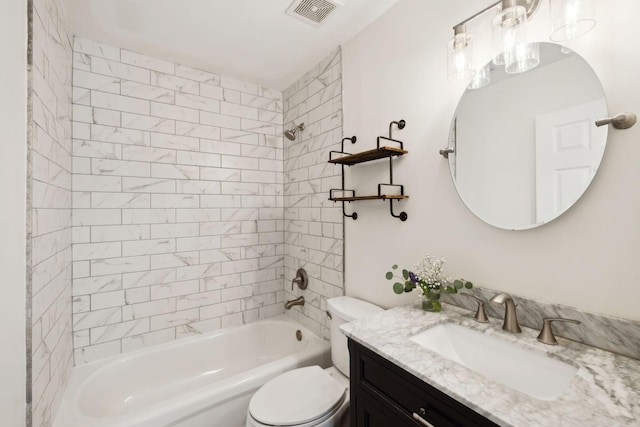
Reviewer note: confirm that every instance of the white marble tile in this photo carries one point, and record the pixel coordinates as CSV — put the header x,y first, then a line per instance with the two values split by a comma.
x,y
88,251
148,185
149,62
149,278
118,102
148,309
120,70
197,75
150,154
197,130
197,299
101,150
119,233
91,285
159,170
145,91
177,259
147,216
141,341
220,120
174,201
198,187
235,84
148,123
115,332
174,112
176,318
218,310
198,159
214,92
148,247
104,300
119,265
97,318
119,135
197,102
197,215
92,353
174,83
88,80
93,48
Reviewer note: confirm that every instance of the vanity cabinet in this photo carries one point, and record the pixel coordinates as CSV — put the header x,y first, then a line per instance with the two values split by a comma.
x,y
385,395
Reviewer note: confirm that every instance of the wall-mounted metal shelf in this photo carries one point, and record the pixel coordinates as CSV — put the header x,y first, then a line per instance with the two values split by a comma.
x,y
382,197
367,156
380,152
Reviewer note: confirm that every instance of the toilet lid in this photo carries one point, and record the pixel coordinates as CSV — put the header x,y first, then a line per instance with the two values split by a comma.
x,y
296,397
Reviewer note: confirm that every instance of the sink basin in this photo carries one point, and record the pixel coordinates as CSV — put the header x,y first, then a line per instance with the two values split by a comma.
x,y
527,371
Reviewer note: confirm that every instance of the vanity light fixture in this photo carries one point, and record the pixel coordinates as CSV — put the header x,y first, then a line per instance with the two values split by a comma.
x,y
460,55
511,48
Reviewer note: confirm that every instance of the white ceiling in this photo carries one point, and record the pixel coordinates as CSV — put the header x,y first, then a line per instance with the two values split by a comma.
x,y
253,40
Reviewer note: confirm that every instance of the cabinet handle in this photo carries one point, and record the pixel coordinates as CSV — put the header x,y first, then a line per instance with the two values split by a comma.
x,y
421,420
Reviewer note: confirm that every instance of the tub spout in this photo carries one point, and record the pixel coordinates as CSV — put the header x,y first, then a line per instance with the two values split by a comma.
x,y
297,301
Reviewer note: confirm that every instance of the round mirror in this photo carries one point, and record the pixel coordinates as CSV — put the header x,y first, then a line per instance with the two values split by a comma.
x,y
525,146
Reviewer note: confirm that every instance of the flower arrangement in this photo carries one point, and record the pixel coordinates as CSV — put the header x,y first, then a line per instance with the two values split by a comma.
x,y
430,278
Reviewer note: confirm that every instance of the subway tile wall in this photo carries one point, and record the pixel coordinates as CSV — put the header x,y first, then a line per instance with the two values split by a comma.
x,y
313,224
49,193
178,221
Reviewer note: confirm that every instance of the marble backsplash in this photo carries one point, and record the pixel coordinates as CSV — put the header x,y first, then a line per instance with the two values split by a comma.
x,y
620,336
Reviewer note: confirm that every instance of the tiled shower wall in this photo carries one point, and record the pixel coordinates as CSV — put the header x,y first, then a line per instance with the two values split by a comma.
x,y
177,201
50,199
313,224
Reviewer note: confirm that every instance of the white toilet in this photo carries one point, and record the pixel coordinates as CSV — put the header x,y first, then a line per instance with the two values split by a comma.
x,y
312,396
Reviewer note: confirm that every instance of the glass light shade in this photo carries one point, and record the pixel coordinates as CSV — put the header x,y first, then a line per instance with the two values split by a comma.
x,y
481,79
571,18
460,58
509,31
523,58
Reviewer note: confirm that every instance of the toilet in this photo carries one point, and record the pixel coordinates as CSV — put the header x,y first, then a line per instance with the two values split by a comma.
x,y
312,396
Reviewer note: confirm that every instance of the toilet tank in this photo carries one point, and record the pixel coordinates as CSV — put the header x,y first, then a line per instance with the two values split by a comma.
x,y
342,310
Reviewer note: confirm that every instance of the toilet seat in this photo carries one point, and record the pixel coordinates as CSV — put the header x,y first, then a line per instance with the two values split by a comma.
x,y
301,397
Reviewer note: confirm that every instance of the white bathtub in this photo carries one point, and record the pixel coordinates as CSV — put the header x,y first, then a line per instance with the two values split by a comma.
x,y
203,381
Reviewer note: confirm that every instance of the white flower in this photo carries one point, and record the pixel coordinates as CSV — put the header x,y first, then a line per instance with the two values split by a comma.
x,y
430,269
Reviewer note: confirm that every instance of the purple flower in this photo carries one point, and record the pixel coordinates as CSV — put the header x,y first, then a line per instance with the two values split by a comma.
x,y
413,278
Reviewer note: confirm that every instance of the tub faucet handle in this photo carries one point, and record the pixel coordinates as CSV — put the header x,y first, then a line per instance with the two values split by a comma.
x,y
546,335
302,279
481,315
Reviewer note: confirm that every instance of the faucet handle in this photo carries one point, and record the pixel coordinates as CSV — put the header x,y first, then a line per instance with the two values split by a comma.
x,y
546,334
481,315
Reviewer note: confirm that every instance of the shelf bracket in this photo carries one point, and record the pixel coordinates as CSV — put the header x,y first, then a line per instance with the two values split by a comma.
x,y
403,215
354,215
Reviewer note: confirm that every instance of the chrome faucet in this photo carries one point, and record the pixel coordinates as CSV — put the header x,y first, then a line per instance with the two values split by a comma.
x,y
510,318
291,303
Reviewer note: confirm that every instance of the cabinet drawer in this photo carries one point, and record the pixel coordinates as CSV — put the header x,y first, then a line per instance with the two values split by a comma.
x,y
377,376
370,412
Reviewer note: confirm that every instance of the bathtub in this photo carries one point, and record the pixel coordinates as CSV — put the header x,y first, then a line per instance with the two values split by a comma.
x,y
203,381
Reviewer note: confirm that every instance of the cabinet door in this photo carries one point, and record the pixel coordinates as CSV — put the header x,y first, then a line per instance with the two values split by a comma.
x,y
371,413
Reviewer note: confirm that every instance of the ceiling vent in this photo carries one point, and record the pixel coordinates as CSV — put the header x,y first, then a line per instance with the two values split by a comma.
x,y
313,12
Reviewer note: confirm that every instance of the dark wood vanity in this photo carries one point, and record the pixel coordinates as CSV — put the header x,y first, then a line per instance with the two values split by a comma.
x,y
385,395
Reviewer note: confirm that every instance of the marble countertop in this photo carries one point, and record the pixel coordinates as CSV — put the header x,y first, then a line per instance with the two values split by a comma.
x,y
605,390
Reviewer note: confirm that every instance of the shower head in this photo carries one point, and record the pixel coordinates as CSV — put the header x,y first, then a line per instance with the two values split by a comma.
x,y
291,134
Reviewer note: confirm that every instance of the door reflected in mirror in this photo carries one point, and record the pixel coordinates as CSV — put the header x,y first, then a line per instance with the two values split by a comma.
x,y
526,146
